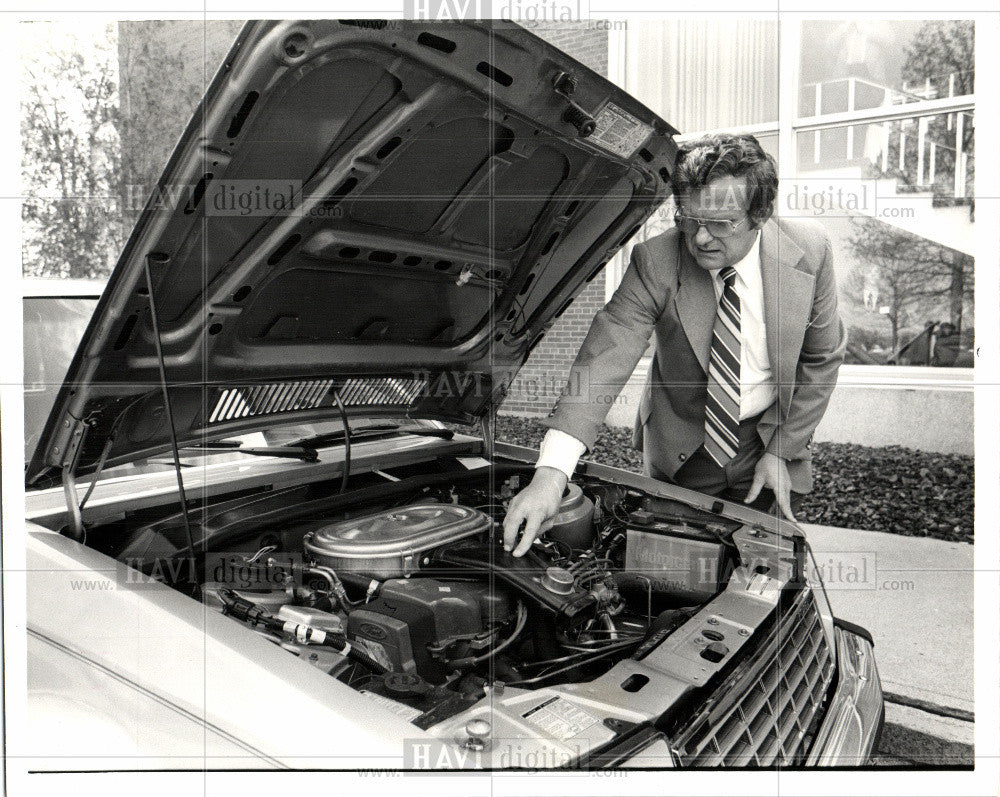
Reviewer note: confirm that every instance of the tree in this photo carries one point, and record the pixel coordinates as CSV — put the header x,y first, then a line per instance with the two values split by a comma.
x,y
101,110
913,274
70,154
154,111
940,49
942,55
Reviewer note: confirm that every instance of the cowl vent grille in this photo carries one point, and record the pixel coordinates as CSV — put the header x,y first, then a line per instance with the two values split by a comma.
x,y
248,401
382,391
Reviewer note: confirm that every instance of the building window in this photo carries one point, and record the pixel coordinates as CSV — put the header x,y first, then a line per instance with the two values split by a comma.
x,y
705,75
877,145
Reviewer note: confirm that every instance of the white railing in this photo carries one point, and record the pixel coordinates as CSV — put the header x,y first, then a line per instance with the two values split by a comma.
x,y
891,96
926,149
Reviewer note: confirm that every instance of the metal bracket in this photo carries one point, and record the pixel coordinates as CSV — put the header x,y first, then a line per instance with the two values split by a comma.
x,y
73,503
488,427
74,444
564,84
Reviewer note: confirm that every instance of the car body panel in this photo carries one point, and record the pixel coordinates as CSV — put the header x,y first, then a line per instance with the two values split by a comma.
x,y
114,496
97,719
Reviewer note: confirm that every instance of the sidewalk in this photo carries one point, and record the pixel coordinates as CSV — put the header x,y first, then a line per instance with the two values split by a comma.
x,y
915,596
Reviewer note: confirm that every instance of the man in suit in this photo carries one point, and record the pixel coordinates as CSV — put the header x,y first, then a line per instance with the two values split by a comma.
x,y
748,342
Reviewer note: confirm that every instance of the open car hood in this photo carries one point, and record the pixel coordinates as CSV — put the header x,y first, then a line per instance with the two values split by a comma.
x,y
391,213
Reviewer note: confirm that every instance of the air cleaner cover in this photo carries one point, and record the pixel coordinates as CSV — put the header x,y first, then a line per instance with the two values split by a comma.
x,y
388,544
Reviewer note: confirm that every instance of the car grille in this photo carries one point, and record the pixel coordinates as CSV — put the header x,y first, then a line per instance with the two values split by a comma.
x,y
763,714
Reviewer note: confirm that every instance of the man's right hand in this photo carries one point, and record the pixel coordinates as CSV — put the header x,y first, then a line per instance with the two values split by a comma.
x,y
535,506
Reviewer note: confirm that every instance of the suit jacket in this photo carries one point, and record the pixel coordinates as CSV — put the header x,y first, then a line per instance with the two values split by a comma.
x,y
665,292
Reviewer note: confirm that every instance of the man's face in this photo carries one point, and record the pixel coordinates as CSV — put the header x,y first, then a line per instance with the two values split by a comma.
x,y
722,199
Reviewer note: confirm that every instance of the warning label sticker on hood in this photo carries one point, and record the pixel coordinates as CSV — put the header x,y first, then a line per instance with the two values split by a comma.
x,y
618,131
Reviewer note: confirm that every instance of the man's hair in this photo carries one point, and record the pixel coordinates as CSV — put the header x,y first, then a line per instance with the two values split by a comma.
x,y
708,158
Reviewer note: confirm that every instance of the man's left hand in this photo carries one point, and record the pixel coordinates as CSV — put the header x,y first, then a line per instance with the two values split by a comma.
x,y
772,472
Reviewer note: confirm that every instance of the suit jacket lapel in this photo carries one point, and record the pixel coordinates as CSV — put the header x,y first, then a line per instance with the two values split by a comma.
x,y
788,296
696,304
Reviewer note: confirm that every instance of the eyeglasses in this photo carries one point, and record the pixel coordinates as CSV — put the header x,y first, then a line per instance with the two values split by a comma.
x,y
717,228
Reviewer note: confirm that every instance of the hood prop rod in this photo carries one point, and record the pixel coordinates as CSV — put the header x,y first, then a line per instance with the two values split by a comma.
x,y
162,258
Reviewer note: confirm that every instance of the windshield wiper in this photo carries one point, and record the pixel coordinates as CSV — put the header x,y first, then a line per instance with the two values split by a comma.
x,y
306,447
375,430
288,451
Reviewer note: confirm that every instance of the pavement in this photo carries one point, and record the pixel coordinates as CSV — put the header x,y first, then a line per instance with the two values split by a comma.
x,y
915,596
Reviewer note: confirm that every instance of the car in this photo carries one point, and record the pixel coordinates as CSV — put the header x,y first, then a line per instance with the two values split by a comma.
x,y
264,510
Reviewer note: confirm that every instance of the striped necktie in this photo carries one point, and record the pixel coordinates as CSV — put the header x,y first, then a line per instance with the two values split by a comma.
x,y
722,405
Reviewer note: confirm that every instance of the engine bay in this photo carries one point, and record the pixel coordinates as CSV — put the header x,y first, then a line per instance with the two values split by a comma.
x,y
402,590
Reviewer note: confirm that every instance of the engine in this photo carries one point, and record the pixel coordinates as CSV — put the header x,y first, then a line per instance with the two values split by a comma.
x,y
411,598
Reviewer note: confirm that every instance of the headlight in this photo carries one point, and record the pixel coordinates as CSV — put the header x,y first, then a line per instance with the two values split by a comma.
x,y
822,602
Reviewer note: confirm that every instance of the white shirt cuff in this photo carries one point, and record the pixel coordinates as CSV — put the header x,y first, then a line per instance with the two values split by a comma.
x,y
560,451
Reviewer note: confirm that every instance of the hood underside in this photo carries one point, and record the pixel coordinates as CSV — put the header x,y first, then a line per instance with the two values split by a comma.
x,y
389,213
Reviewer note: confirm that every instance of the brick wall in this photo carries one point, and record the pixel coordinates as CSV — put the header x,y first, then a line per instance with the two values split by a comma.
x,y
586,44
542,376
